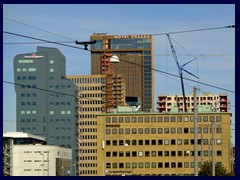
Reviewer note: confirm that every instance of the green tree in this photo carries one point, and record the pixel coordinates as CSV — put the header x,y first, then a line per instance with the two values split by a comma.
x,y
206,170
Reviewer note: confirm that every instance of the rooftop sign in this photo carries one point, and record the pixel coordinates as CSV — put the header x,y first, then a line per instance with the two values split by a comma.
x,y
131,36
33,56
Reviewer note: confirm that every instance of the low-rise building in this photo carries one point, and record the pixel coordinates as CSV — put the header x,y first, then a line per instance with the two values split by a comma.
x,y
28,155
160,143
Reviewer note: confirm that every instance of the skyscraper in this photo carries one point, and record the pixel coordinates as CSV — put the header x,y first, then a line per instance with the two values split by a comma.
x,y
46,100
135,53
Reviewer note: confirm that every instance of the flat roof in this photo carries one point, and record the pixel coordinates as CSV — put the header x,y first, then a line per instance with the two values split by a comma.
x,y
22,135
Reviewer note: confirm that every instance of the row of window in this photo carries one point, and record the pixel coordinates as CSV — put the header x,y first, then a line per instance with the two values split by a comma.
x,y
160,142
162,119
158,153
60,103
58,86
62,112
26,77
88,130
178,130
153,165
28,103
26,69
28,112
28,95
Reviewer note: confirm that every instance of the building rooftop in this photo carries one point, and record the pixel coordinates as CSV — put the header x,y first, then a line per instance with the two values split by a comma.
x,y
22,135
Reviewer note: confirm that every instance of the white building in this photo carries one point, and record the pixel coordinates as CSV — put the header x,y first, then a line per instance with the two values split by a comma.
x,y
28,155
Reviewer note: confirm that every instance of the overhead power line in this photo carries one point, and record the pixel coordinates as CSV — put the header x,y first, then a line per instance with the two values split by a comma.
x,y
194,30
37,28
162,72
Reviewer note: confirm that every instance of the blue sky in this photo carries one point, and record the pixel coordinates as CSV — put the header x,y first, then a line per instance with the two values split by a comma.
x,y
79,21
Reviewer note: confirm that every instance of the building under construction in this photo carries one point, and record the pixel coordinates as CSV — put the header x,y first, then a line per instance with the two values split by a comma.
x,y
218,102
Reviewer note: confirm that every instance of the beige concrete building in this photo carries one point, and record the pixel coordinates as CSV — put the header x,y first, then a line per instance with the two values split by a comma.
x,y
218,102
160,143
28,155
93,99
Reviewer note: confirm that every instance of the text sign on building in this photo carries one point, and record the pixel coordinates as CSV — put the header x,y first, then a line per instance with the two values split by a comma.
x,y
131,36
33,56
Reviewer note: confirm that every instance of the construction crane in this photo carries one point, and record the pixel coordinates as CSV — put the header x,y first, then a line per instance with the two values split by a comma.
x,y
180,68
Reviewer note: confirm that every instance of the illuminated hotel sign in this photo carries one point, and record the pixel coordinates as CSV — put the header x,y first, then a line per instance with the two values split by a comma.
x,y
131,36
33,56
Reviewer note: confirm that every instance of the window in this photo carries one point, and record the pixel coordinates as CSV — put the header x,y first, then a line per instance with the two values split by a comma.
x,y
134,153
173,142
153,153
147,142
146,130
219,153
173,153
205,119
147,153
114,120
127,120
146,119
159,130
186,164
153,130
166,130
166,142
121,153
134,165
108,131
134,131
160,164
219,141
212,118
166,119
185,141
120,119
179,153
51,70
179,118
185,119
166,164
114,131
173,119
134,119
140,153
108,154
140,142
127,131
205,130
166,153
127,165
153,165
179,164
160,141
153,119
159,119
219,118
147,164
114,165
160,153
114,153
140,119
179,141
108,120
173,130
108,165
173,164
179,130
140,165
185,130
120,130
140,130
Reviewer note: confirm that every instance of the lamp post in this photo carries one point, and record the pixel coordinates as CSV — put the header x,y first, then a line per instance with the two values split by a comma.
x,y
42,163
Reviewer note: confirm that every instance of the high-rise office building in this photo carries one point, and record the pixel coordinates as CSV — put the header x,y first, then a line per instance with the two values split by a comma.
x,y
46,100
135,53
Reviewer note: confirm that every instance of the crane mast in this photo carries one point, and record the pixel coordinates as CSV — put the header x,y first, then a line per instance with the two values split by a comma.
x,y
180,68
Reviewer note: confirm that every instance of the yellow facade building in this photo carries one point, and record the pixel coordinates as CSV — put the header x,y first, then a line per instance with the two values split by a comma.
x,y
160,143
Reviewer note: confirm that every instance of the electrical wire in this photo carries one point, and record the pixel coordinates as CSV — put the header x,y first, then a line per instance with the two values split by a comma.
x,y
162,72
37,28
195,30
